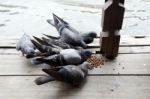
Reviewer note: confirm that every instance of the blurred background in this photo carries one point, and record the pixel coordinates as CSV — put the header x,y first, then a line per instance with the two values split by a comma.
x,y
19,16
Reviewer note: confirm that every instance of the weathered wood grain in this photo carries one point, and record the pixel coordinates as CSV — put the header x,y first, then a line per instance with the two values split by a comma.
x,y
96,87
128,50
122,50
125,41
18,65
123,64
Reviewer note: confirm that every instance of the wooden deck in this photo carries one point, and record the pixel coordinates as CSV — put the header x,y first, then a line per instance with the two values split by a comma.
x,y
126,77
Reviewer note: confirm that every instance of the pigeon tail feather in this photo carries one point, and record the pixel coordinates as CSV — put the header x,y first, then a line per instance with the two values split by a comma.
x,y
43,80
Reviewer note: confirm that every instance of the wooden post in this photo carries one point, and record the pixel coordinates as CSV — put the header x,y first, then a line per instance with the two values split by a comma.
x,y
112,19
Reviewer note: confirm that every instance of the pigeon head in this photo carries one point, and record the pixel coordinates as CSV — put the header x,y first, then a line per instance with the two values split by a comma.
x,y
92,34
86,54
89,37
88,40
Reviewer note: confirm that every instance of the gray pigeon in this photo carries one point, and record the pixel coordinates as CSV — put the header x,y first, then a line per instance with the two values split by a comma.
x,y
68,36
50,42
66,57
87,37
25,46
71,74
57,42
45,50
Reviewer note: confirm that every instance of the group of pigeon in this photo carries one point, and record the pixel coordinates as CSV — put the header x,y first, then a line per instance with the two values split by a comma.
x,y
66,55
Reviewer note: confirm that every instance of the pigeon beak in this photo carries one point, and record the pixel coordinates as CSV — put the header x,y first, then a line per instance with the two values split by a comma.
x,y
38,46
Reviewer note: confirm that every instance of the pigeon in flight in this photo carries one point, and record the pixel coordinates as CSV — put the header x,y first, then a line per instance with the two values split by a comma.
x,y
71,74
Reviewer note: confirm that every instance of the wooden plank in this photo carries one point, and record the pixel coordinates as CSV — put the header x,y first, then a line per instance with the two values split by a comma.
x,y
97,87
127,50
125,41
18,65
9,51
122,50
134,50
8,42
123,64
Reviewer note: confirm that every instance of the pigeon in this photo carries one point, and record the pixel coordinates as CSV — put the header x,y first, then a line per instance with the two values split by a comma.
x,y
45,50
47,42
71,74
66,57
87,37
66,35
57,42
25,46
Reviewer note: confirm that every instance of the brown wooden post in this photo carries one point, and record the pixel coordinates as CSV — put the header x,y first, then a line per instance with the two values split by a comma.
x,y
112,19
